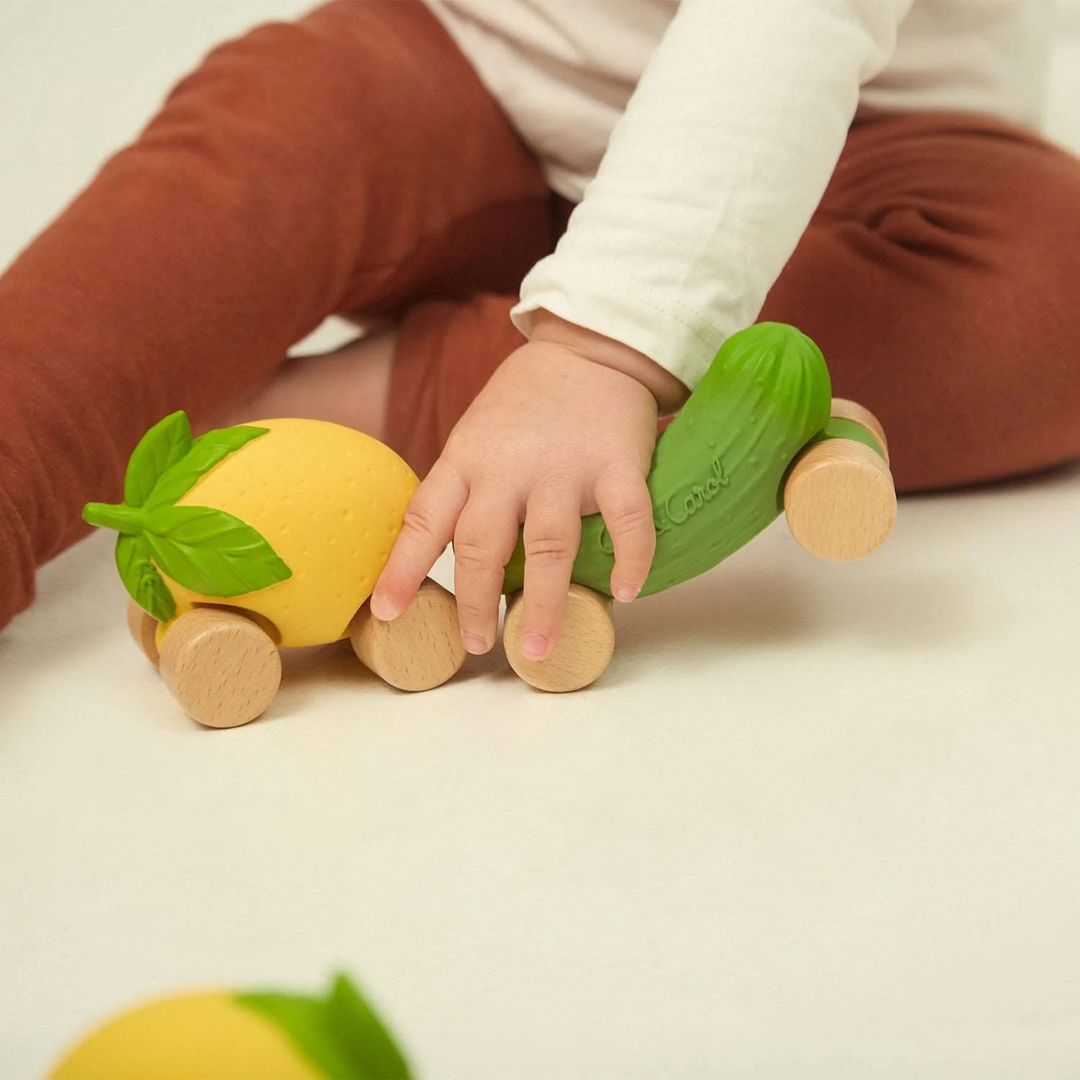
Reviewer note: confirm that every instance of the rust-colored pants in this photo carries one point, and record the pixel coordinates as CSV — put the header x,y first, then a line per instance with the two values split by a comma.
x,y
351,163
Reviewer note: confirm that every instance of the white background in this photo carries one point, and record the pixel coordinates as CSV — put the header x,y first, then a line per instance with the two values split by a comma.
x,y
815,821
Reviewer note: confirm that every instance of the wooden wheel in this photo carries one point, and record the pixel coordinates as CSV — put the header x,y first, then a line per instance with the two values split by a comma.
x,y
839,498
143,628
584,649
420,649
221,666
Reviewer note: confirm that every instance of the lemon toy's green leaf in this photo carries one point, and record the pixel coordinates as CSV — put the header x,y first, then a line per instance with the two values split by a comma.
x,y
206,550
340,1034
212,552
166,443
204,453
145,585
125,519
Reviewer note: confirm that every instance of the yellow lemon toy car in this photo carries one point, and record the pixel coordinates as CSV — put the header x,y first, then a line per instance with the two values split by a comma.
x,y
254,538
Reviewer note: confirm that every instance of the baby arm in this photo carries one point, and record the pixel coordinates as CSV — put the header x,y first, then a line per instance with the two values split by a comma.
x,y
709,180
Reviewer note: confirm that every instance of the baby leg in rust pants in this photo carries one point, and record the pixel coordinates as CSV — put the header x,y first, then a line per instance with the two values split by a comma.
x,y
351,163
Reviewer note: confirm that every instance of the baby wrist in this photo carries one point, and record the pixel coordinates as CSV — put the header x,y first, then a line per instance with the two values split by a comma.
x,y
669,391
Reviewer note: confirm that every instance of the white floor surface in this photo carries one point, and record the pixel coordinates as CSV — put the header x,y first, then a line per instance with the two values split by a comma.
x,y
816,821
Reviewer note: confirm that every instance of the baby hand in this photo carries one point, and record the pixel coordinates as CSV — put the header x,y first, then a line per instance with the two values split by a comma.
x,y
565,427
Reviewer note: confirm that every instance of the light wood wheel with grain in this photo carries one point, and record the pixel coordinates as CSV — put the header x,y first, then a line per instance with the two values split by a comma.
x,y
583,651
420,649
143,629
221,666
839,497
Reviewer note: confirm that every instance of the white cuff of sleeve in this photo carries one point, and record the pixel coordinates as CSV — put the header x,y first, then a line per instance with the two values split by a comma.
x,y
676,339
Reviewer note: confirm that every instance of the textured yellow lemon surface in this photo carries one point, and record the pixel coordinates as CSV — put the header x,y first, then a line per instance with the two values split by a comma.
x,y
330,501
206,1036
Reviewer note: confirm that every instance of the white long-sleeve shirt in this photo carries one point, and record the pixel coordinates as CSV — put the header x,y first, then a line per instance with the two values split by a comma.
x,y
700,135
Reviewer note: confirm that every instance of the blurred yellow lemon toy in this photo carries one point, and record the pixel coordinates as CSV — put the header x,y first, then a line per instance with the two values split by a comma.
x,y
263,1035
253,538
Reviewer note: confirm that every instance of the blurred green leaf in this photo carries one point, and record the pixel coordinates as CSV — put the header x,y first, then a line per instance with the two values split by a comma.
x,y
340,1034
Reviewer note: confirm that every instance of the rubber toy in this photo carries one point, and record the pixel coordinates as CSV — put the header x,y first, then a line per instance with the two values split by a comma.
x,y
226,1035
254,538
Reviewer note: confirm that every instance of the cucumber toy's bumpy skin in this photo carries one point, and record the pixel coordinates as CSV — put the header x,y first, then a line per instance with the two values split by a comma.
x,y
718,471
